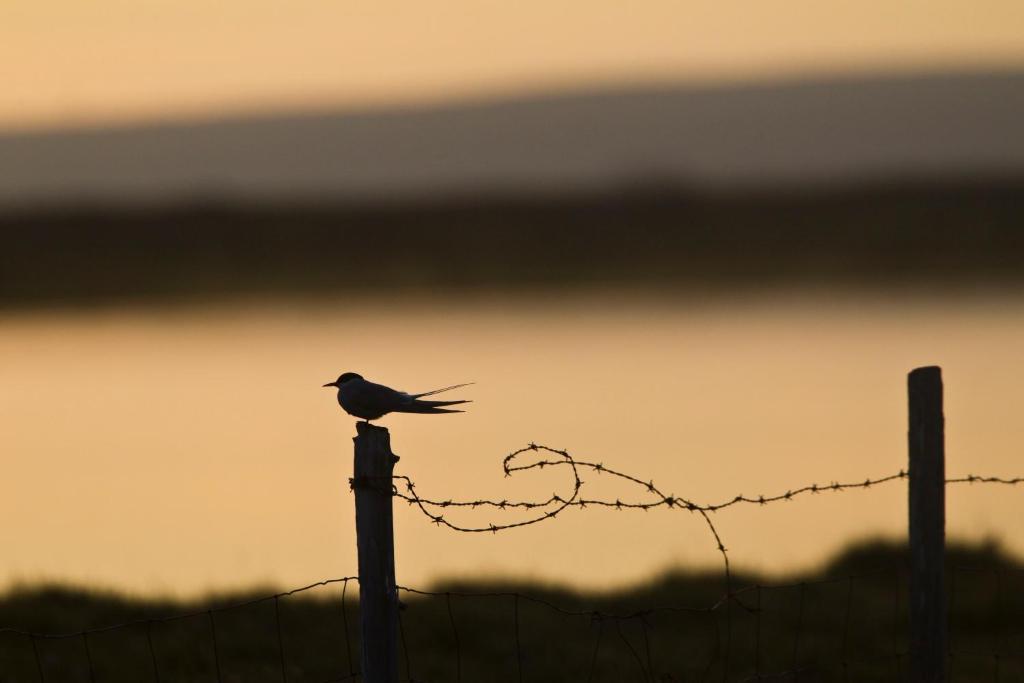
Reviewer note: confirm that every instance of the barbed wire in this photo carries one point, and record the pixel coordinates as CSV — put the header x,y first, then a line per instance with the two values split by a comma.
x,y
671,501
555,504
510,467
574,499
548,509
975,479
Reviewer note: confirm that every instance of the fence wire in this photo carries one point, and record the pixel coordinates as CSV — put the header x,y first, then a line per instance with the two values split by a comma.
x,y
635,638
737,643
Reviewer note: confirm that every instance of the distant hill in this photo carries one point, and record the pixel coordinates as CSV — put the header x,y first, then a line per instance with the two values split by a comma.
x,y
781,135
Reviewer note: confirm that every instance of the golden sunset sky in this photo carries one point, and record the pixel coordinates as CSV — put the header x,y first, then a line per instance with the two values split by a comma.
x,y
101,62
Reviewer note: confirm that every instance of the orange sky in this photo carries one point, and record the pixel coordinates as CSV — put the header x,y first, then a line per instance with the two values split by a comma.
x,y
102,61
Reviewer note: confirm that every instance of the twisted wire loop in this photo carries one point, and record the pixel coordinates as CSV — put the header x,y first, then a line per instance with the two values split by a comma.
x,y
560,503
404,488
660,499
510,468
555,504
651,497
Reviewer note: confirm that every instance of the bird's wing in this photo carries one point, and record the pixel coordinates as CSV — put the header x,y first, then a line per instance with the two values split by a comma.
x,y
438,391
377,398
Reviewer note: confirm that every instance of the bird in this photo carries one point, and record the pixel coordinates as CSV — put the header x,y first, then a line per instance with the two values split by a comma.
x,y
369,401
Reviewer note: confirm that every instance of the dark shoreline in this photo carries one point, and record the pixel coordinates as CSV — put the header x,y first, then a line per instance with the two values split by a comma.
x,y
953,234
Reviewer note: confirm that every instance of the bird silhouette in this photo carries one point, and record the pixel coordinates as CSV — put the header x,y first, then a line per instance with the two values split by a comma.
x,y
369,401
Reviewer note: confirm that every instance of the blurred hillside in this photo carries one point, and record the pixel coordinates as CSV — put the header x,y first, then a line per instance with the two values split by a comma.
x,y
854,182
789,134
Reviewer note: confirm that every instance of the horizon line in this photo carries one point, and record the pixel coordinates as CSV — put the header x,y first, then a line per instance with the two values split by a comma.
x,y
251,110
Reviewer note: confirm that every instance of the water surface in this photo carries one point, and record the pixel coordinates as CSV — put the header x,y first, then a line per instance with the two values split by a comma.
x,y
192,449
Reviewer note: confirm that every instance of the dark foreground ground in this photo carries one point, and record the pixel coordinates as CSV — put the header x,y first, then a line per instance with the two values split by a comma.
x,y
845,623
961,234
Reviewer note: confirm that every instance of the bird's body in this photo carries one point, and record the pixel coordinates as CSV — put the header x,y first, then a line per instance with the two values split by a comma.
x,y
370,401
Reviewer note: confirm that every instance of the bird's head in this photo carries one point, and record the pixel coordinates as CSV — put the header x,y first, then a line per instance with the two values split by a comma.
x,y
345,377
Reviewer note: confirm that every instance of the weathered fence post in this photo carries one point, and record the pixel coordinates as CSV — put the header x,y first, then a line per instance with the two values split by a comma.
x,y
378,596
927,526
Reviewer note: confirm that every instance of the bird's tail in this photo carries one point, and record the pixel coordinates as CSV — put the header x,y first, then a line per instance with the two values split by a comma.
x,y
438,391
430,407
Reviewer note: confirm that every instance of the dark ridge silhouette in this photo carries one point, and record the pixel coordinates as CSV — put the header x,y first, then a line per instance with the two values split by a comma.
x,y
788,133
931,235
846,621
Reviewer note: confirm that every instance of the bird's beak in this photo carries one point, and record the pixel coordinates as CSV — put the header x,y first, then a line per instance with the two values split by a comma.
x,y
331,384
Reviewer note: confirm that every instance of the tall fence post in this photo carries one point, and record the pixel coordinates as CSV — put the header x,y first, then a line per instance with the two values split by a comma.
x,y
378,596
928,622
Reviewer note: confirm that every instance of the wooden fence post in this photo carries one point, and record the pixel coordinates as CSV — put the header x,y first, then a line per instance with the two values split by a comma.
x,y
378,596
928,621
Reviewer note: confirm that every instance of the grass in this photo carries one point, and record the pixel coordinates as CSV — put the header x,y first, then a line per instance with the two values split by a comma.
x,y
845,622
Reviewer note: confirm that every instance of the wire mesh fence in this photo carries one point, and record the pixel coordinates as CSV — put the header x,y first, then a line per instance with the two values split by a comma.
x,y
851,626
